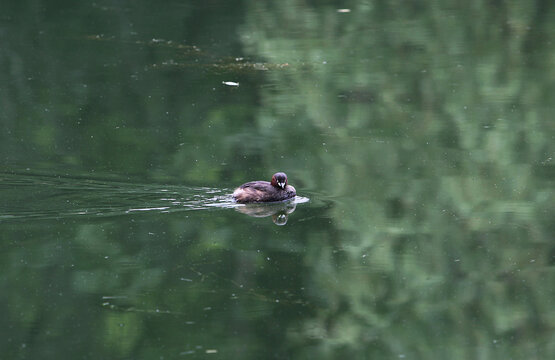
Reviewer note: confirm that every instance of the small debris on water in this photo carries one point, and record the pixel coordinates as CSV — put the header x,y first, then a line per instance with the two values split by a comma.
x,y
230,83
343,10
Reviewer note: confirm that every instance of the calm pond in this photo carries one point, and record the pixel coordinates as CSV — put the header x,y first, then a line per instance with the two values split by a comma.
x,y
419,136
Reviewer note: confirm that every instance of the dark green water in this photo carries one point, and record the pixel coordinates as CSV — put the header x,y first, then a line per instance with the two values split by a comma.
x,y
420,138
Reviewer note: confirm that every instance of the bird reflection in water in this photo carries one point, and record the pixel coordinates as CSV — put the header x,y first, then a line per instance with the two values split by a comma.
x,y
279,211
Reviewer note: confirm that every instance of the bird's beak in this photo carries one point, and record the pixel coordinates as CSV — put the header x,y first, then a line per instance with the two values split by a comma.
x,y
281,185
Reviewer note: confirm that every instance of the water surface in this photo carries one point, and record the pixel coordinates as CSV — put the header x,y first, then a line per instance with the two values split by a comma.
x,y
419,138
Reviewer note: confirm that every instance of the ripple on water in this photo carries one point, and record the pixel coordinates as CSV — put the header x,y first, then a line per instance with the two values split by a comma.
x,y
46,197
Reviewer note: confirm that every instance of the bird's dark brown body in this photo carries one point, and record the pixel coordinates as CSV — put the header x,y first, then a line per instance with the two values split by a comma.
x,y
264,191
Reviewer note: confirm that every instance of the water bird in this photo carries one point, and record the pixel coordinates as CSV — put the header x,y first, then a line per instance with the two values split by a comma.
x,y
264,191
